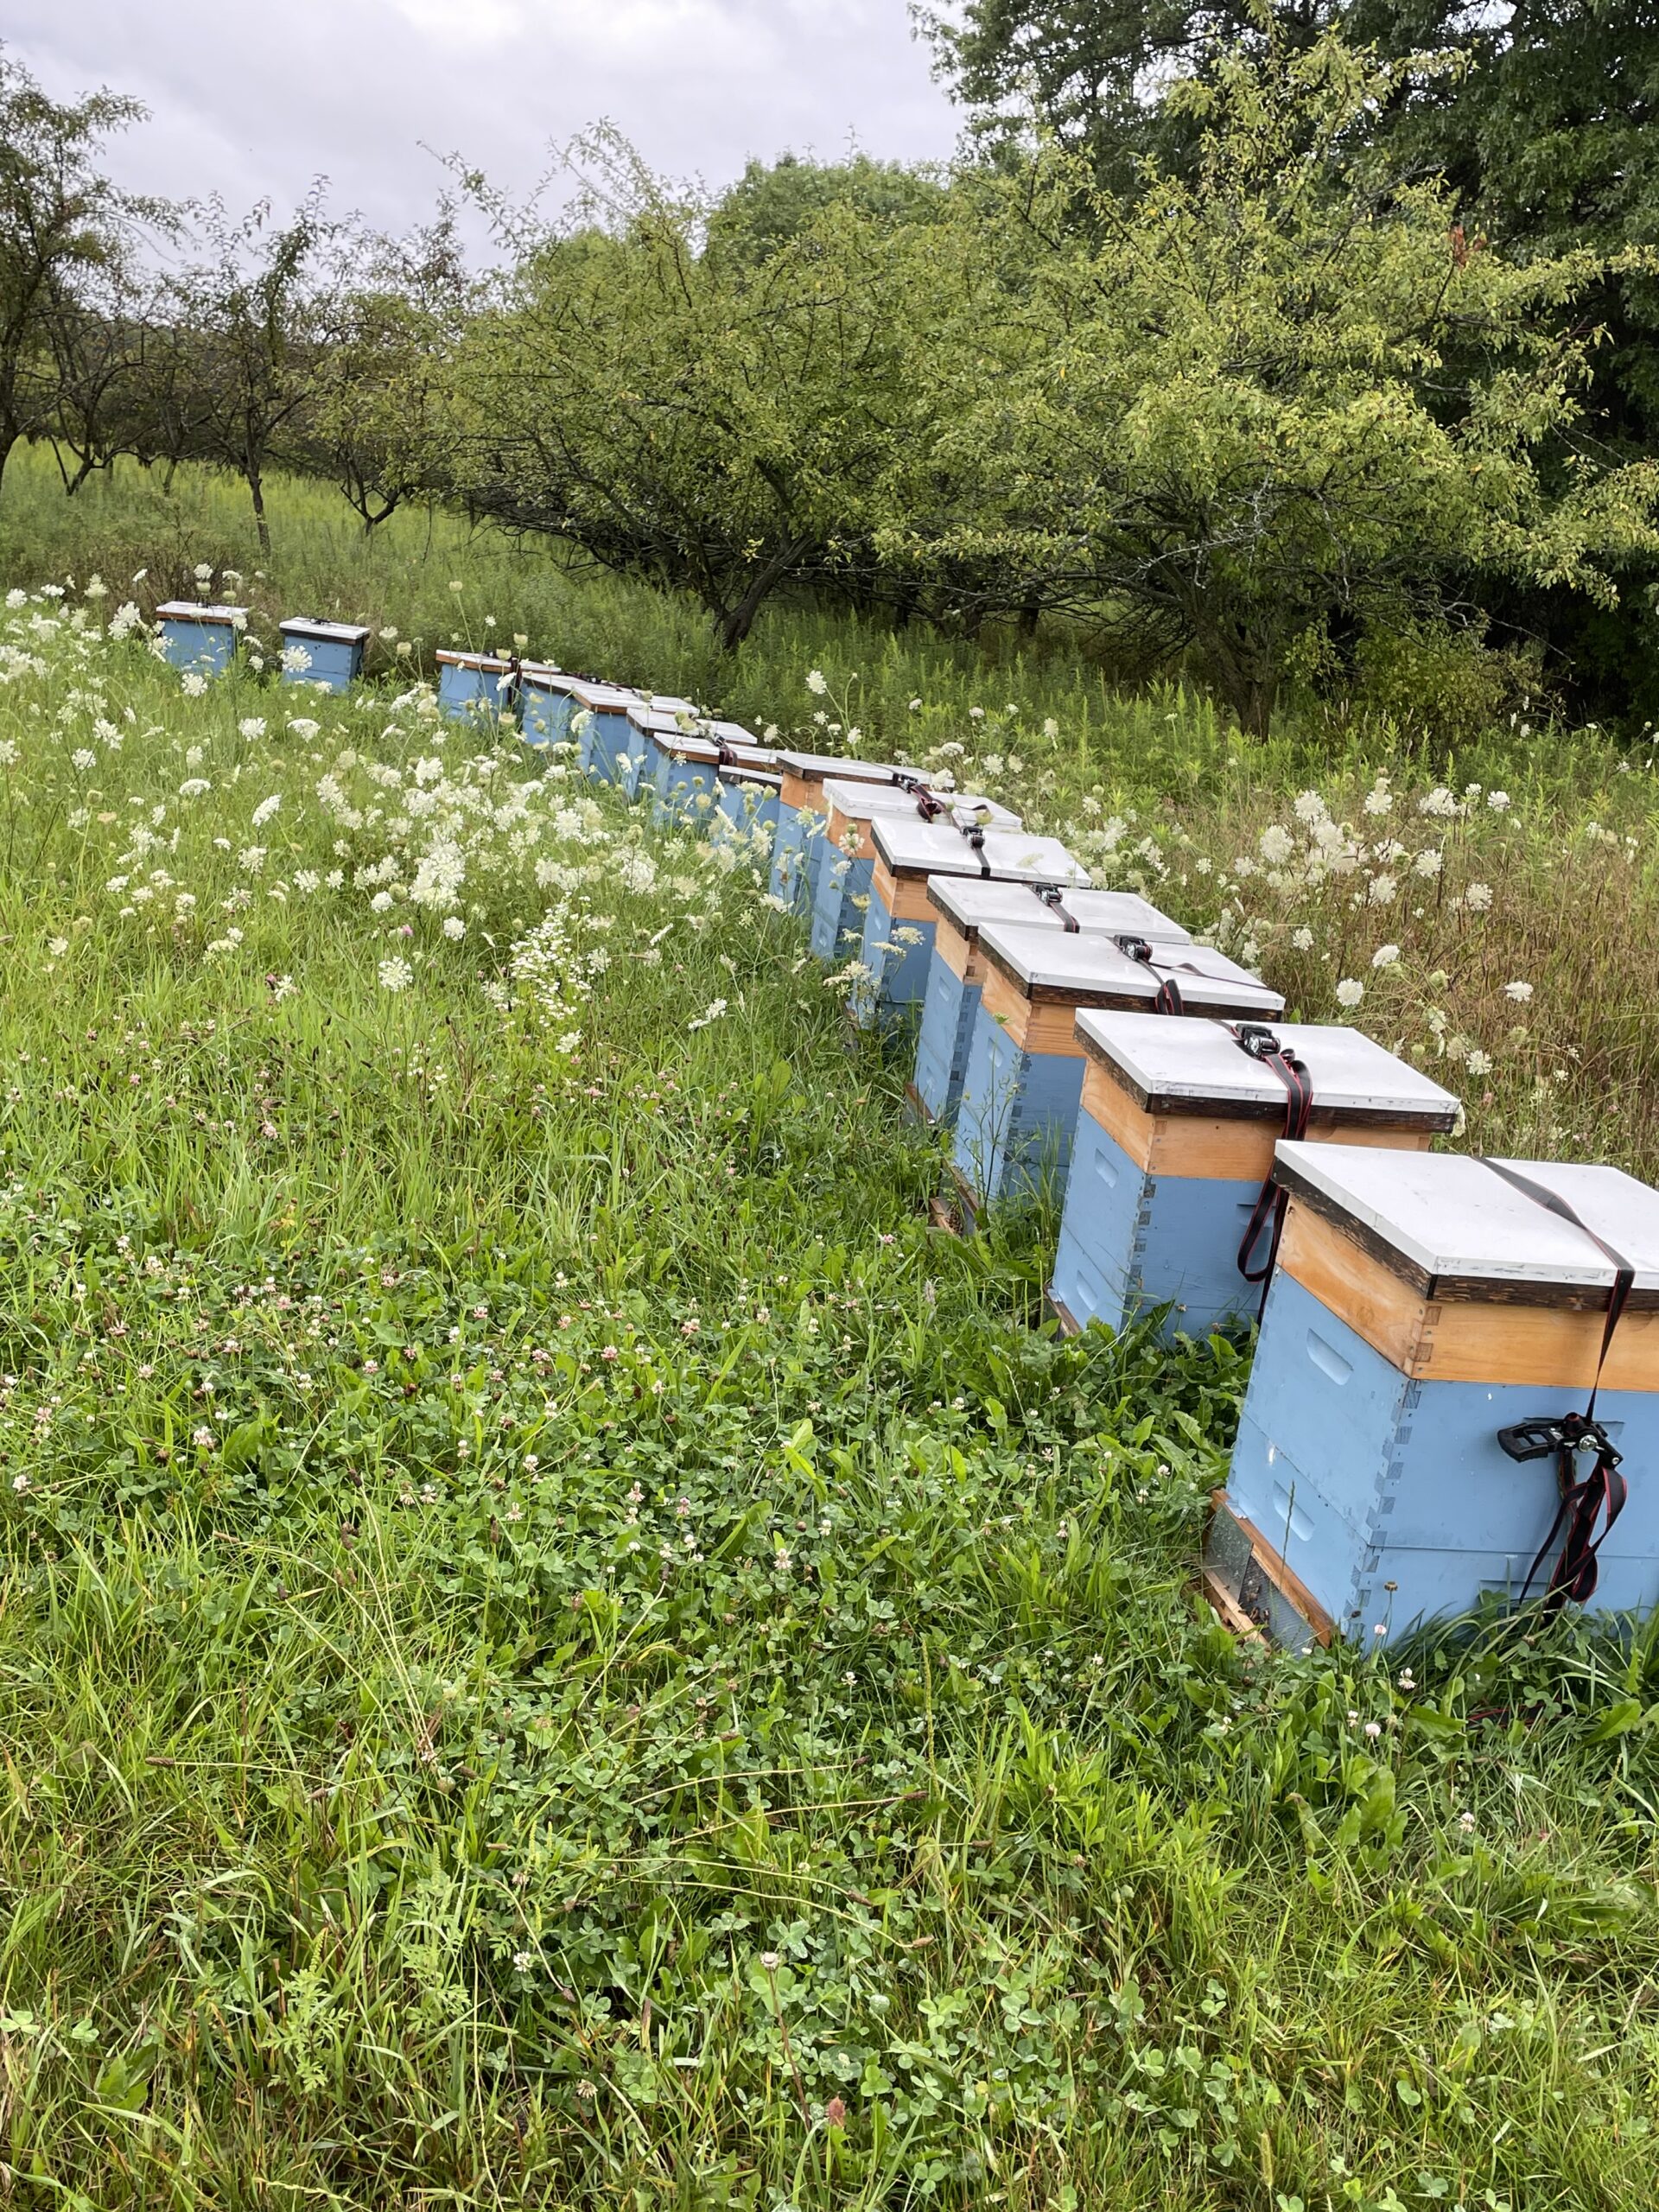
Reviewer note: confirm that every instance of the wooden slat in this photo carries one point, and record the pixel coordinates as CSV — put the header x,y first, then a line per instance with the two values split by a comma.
x,y
1049,1028
838,826
905,897
953,948
1280,1573
798,792
1220,1148
1549,1347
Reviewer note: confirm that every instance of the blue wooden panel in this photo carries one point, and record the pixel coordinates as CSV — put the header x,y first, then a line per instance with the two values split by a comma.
x,y
1017,1116
474,694
1364,1477
608,737
334,663
1097,1259
205,648
950,1008
750,807
800,833
898,955
678,784
837,916
546,714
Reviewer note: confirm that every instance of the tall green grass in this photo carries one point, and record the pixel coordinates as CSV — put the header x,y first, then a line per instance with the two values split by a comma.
x,y
560,1646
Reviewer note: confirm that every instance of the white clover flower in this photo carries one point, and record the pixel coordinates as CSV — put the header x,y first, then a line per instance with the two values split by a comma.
x,y
1349,992
396,974
1386,955
1519,992
266,808
251,726
57,946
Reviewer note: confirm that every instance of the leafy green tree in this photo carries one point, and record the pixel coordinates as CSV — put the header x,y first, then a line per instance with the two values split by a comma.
x,y
700,418
254,321
772,203
62,223
1251,409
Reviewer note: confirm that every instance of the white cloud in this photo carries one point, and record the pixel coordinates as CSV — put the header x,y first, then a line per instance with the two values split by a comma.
x,y
370,92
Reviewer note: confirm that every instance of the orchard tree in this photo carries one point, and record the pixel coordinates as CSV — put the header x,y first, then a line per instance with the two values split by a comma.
x,y
1244,411
714,420
61,224
254,320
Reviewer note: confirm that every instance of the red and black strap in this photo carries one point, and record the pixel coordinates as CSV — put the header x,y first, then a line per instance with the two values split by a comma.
x,y
1169,998
1262,1046
929,806
1054,898
1600,1496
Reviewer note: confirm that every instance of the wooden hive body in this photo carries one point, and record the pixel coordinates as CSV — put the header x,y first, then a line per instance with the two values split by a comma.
x,y
750,796
477,687
846,855
611,746
333,652
1420,1305
546,706
1022,1088
956,968
1175,1137
681,768
900,919
202,640
801,817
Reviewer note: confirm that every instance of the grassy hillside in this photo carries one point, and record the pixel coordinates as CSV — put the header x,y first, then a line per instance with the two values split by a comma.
x,y
559,1646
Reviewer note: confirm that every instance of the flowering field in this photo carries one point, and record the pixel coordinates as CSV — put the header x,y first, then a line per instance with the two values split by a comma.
x,y
559,1646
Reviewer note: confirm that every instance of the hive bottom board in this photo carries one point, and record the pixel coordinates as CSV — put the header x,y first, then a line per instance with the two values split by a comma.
x,y
1252,1587
1392,1500
1017,1115
1131,1239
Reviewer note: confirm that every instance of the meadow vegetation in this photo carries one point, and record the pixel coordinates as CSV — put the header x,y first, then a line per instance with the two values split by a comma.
x,y
560,1644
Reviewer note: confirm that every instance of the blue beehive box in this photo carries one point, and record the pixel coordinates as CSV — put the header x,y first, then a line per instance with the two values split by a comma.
x,y
847,856
327,654
1420,1305
480,688
749,800
961,905
682,759
1174,1142
606,742
202,640
801,815
1023,1085
899,920
544,704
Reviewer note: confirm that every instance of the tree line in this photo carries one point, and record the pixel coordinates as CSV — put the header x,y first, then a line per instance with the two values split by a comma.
x,y
1282,344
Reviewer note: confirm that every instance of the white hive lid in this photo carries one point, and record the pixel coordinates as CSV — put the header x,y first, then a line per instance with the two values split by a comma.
x,y
1093,967
816,766
730,733
598,698
863,802
188,610
915,847
543,674
666,703
491,662
970,902
333,633
1198,1066
747,778
1445,1218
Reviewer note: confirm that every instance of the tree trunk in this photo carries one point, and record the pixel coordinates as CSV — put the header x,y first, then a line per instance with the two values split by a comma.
x,y
1031,608
7,439
255,486
733,624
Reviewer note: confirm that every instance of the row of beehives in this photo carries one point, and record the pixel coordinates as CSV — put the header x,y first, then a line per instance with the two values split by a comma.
x,y
1413,1433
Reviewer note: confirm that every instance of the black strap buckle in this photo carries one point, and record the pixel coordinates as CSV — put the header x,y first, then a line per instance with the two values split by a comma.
x,y
1543,1437
1137,949
1258,1039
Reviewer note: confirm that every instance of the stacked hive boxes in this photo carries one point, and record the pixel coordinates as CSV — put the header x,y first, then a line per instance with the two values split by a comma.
x,y
802,813
200,639
960,906
328,654
1428,1322
1023,1082
847,852
1175,1141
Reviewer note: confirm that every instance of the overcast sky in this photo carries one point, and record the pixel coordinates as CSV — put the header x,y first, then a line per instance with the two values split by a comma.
x,y
255,97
